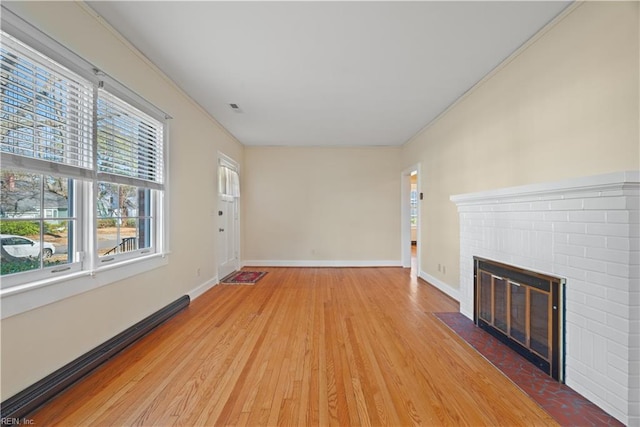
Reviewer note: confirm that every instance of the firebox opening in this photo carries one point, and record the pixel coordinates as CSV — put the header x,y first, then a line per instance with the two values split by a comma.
x,y
524,310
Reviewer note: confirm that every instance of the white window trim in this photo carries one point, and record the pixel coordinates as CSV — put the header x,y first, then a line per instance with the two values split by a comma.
x,y
31,295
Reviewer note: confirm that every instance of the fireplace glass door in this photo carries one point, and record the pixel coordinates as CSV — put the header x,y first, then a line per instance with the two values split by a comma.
x,y
521,309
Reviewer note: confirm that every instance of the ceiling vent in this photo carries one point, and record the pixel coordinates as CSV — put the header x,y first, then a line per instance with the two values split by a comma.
x,y
235,107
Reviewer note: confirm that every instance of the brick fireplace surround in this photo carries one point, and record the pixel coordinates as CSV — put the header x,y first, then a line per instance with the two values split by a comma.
x,y
587,231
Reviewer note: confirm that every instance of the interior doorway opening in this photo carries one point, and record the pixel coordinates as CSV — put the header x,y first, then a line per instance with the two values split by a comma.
x,y
410,211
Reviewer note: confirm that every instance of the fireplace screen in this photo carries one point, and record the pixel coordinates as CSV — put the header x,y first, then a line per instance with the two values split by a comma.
x,y
522,309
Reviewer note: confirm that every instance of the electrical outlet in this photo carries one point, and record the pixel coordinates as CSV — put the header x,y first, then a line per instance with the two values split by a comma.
x,y
198,272
444,270
439,267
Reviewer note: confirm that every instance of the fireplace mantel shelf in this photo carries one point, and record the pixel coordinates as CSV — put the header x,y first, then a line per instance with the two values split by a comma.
x,y
552,190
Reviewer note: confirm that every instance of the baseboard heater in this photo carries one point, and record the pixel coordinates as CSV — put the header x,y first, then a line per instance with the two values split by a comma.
x,y
28,400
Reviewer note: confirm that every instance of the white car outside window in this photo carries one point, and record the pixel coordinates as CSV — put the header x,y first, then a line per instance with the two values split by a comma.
x,y
19,246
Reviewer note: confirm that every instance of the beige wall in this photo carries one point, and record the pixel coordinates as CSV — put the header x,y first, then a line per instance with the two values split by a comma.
x,y
321,204
37,342
566,106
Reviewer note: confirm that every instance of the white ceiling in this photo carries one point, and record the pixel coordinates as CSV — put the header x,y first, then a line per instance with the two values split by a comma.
x,y
326,73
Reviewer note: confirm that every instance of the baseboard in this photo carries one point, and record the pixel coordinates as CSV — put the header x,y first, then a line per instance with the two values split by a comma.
x,y
196,292
452,292
22,404
320,263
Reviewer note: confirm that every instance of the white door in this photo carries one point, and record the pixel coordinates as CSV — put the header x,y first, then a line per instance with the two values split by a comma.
x,y
228,216
227,229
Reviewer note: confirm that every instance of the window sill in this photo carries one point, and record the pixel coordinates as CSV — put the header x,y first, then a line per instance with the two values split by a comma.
x,y
21,298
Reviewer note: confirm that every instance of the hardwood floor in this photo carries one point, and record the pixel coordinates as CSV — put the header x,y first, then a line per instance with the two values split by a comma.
x,y
344,346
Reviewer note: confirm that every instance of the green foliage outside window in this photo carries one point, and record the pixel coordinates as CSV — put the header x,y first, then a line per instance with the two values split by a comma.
x,y
20,228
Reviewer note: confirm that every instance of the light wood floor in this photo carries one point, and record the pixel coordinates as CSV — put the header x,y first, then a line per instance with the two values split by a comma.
x,y
302,347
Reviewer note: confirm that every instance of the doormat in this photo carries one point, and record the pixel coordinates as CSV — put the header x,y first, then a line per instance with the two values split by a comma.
x,y
243,277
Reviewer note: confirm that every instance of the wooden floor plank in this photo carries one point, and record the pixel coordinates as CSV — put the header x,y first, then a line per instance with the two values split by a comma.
x,y
302,347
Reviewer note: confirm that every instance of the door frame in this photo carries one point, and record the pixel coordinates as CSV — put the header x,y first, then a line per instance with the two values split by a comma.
x,y
405,214
225,160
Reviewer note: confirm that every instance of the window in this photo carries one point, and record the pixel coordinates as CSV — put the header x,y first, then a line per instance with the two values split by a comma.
x,y
31,239
82,176
130,150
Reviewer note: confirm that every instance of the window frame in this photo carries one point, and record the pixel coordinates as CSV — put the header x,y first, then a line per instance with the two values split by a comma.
x,y
24,293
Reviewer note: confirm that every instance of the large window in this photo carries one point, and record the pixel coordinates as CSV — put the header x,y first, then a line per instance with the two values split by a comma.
x,y
82,175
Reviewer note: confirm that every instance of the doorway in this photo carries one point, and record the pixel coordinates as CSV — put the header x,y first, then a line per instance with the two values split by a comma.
x,y
228,230
410,211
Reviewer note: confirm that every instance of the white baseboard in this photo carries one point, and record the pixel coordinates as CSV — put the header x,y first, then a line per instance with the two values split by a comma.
x,y
196,292
320,263
452,292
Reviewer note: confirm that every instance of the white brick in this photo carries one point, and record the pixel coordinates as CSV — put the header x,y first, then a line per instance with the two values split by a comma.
x,y
570,227
588,264
522,224
607,255
566,205
633,202
560,259
617,401
618,308
618,377
569,272
605,281
554,216
616,269
574,320
587,240
540,206
618,362
543,265
606,203
619,243
587,216
621,297
586,354
619,230
570,250
619,350
590,313
600,353
543,226
634,341
617,322
604,330
618,217
596,290
583,384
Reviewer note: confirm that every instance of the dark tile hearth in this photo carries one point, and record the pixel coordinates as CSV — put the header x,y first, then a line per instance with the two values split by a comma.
x,y
561,402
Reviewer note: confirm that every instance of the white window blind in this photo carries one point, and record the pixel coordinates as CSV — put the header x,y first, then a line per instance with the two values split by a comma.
x,y
129,144
46,110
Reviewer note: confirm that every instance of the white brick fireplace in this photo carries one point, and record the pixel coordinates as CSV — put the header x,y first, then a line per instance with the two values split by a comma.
x,y
586,231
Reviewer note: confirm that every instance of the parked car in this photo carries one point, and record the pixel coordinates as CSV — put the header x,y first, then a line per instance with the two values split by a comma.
x,y
20,246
